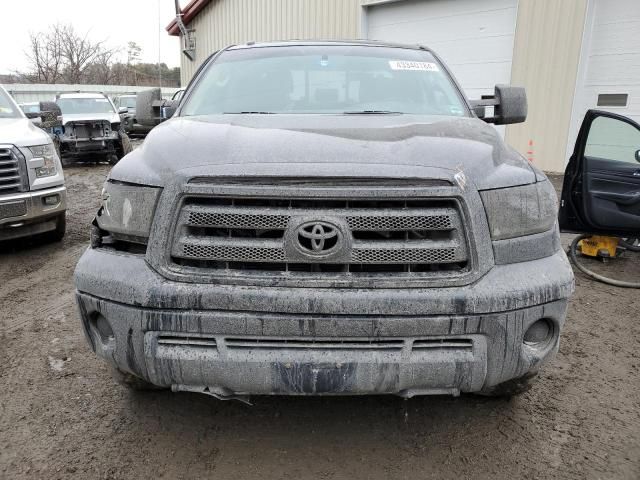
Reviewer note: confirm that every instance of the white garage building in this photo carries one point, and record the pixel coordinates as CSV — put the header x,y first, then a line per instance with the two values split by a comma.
x,y
571,55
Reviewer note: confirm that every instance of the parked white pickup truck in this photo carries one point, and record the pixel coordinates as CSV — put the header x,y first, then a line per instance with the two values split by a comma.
x,y
32,191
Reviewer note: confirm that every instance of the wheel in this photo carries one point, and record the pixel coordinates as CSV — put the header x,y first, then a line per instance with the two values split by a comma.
x,y
511,388
132,382
125,144
61,227
112,158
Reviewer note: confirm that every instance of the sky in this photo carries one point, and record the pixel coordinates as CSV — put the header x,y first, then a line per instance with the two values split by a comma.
x,y
115,21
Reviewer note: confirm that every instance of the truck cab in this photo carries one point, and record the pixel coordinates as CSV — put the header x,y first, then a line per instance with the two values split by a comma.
x,y
32,190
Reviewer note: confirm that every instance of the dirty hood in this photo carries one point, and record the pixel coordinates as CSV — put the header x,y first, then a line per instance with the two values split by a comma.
x,y
21,132
381,146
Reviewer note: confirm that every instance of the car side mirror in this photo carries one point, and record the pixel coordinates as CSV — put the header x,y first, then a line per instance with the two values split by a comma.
x,y
509,105
169,108
51,115
122,110
35,118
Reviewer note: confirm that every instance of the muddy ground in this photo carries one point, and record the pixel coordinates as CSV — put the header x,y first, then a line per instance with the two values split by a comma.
x,y
62,416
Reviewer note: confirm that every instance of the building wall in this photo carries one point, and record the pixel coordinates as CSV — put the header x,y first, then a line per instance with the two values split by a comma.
x,y
227,22
609,62
545,60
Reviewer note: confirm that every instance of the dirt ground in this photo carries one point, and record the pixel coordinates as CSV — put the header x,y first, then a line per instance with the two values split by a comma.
x,y
62,416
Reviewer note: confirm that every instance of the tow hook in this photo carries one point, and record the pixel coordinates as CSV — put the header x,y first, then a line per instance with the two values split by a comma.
x,y
220,393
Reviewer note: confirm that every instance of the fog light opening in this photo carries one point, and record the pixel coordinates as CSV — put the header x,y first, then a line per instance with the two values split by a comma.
x,y
51,200
539,332
102,327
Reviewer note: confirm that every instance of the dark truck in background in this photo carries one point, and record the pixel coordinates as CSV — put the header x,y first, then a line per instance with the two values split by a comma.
x,y
323,218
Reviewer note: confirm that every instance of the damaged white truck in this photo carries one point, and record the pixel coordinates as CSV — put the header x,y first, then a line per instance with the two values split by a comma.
x,y
92,128
327,218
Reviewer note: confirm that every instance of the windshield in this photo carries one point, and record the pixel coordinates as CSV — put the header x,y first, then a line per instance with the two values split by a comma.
x,y
7,107
127,102
325,79
84,105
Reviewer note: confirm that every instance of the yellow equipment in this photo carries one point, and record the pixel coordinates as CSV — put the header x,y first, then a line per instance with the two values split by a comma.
x,y
599,246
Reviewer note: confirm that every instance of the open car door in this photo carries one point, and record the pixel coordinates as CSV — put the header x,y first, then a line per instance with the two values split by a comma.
x,y
601,190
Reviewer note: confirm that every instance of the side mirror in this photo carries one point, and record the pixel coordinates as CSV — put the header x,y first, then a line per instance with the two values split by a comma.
x,y
35,118
51,115
169,108
122,110
509,105
148,105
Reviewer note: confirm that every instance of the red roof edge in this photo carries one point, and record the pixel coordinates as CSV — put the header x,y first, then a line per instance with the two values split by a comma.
x,y
189,12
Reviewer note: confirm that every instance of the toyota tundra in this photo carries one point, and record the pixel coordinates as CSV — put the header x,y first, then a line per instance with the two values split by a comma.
x,y
324,218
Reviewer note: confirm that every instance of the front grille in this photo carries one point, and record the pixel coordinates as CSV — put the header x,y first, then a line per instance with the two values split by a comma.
x,y
220,234
13,175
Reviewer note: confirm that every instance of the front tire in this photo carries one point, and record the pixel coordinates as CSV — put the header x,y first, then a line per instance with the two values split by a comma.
x,y
511,388
124,145
132,382
61,227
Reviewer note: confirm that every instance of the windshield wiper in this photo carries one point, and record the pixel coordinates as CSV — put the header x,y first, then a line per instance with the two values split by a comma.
x,y
372,112
249,112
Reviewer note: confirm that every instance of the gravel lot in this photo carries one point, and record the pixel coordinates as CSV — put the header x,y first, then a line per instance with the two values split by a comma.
x,y
62,416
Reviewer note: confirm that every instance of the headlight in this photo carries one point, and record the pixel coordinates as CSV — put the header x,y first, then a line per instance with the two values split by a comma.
x,y
519,211
127,210
48,154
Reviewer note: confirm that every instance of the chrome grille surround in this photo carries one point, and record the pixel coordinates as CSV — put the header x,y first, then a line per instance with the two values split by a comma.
x,y
240,234
13,171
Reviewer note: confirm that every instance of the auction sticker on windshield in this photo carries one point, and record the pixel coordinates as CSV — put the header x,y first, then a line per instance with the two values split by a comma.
x,y
406,65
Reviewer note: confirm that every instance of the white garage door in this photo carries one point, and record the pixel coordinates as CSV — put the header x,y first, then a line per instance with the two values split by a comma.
x,y
474,37
609,74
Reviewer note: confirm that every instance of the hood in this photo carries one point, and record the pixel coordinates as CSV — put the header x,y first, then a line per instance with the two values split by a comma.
x,y
21,132
389,146
89,117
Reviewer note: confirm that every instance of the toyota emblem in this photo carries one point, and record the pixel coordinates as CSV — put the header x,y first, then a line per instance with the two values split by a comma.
x,y
318,238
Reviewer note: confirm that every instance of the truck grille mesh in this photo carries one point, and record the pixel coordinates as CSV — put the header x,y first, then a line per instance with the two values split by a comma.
x,y
13,175
220,234
231,253
427,222
405,255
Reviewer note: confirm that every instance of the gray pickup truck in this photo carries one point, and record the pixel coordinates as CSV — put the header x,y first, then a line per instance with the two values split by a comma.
x,y
324,218
32,191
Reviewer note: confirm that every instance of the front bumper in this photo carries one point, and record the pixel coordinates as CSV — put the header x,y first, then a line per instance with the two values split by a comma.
x,y
26,214
233,340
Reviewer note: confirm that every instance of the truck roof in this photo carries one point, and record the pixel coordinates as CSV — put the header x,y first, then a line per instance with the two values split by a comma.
x,y
365,43
81,95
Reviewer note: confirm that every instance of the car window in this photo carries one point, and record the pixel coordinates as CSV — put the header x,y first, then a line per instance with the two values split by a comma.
x,y
30,108
613,139
7,108
325,79
70,106
127,102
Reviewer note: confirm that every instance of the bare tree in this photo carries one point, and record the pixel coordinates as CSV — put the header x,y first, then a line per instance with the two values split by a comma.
x,y
61,55
46,56
79,53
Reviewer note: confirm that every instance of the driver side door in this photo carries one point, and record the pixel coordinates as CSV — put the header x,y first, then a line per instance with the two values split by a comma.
x,y
601,189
